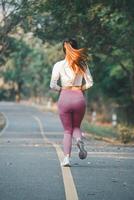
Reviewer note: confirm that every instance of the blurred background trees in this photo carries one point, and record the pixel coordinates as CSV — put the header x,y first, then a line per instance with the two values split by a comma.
x,y
31,35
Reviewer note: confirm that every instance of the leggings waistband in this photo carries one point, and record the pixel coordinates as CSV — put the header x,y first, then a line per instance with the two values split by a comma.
x,y
71,88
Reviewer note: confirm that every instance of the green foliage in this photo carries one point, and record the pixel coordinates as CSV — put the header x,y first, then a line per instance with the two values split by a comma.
x,y
26,67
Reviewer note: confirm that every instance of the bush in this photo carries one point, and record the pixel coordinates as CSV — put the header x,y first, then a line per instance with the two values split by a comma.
x,y
126,133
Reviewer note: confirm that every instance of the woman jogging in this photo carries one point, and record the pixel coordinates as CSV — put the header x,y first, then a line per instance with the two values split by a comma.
x,y
71,104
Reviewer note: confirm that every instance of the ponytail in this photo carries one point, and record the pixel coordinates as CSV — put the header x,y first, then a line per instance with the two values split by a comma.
x,y
76,58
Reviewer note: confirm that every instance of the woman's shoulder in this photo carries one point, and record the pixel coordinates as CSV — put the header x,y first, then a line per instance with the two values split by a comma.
x,y
59,64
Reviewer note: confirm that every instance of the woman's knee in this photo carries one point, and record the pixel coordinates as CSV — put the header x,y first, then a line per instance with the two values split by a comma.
x,y
76,132
69,131
76,128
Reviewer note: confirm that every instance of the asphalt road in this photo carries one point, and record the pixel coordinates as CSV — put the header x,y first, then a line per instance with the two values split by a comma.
x,y
30,149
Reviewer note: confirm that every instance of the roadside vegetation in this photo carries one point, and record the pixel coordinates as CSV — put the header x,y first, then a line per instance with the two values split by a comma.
x,y
121,133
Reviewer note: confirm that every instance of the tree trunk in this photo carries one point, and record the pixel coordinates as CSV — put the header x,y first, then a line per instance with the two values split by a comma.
x,y
130,75
18,92
131,78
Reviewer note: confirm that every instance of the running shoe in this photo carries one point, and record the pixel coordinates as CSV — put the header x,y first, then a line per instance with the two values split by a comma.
x,y
66,162
82,151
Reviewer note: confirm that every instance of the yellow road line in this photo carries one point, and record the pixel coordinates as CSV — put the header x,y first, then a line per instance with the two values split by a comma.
x,y
70,189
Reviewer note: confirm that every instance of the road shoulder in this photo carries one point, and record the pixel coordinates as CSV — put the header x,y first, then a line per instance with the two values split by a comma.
x,y
2,121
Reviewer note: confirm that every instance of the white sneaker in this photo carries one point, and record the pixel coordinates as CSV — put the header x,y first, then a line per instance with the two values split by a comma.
x,y
66,162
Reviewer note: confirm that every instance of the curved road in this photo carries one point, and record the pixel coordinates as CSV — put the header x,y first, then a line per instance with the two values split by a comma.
x,y
30,154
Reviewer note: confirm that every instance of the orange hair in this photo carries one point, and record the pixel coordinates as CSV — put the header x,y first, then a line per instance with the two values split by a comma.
x,y
76,58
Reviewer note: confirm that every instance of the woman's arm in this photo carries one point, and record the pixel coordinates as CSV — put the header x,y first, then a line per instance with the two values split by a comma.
x,y
88,80
54,78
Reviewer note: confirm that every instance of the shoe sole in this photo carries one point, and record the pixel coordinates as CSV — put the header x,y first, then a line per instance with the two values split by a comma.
x,y
66,165
83,152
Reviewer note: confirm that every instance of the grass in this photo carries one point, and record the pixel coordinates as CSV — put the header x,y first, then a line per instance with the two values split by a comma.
x,y
122,133
100,131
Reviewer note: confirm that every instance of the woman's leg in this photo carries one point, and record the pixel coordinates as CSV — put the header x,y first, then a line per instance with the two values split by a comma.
x,y
66,119
78,114
67,144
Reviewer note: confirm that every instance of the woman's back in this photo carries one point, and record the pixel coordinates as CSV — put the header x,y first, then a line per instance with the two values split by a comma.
x,y
67,76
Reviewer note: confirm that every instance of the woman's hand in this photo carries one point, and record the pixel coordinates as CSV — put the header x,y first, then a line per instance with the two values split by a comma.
x,y
83,88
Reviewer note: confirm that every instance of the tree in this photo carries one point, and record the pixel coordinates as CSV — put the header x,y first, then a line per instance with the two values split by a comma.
x,y
26,67
14,13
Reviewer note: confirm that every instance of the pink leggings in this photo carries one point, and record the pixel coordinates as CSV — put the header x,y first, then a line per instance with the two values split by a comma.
x,y
71,106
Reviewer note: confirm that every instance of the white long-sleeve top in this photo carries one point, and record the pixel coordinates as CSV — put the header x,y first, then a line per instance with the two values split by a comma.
x,y
62,71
